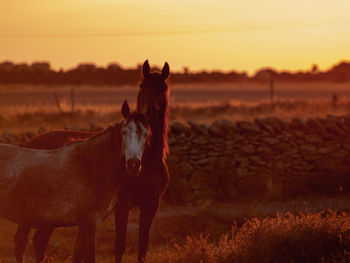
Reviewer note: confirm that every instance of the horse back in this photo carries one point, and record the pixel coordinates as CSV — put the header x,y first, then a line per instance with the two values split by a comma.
x,y
55,139
46,186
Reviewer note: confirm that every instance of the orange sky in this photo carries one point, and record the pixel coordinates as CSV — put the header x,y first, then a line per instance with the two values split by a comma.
x,y
201,34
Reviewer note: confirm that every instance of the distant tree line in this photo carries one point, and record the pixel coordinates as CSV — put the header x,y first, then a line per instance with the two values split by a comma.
x,y
114,74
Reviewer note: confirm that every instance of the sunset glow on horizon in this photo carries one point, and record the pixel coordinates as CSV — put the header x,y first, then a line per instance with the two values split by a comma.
x,y
207,34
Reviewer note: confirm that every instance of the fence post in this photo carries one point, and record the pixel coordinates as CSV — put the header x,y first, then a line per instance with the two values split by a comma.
x,y
272,91
335,99
58,104
72,97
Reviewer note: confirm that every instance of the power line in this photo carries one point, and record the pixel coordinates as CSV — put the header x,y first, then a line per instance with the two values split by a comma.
x,y
184,30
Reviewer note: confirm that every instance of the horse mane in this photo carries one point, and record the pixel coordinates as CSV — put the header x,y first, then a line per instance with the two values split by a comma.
x,y
74,140
97,134
159,122
133,115
139,117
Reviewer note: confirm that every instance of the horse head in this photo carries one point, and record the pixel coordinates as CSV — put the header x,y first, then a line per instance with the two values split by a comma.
x,y
154,92
135,136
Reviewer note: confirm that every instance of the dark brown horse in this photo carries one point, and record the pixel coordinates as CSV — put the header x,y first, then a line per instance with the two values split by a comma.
x,y
144,191
73,185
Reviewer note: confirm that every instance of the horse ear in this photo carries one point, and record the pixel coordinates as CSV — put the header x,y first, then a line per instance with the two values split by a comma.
x,y
125,109
166,70
146,69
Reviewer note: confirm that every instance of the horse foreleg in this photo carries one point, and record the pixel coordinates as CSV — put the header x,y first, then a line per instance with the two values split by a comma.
x,y
121,217
84,249
89,244
21,239
77,252
148,211
40,240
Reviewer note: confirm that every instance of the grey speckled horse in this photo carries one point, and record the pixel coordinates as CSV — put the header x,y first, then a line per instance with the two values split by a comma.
x,y
73,185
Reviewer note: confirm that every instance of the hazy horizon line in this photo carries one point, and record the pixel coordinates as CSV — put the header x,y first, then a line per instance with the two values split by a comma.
x,y
66,68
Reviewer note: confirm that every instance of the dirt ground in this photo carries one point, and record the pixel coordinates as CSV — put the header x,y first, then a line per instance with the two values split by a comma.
x,y
172,225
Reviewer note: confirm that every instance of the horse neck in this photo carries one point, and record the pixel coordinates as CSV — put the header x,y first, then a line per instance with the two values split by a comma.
x,y
102,149
158,147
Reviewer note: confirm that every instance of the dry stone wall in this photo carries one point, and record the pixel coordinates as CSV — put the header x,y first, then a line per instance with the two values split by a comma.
x,y
267,158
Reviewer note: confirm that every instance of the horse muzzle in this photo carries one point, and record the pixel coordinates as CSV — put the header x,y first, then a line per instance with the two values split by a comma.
x,y
133,166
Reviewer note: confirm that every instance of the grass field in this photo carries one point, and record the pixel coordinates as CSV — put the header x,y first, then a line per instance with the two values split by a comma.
x,y
29,108
30,97
176,234
180,234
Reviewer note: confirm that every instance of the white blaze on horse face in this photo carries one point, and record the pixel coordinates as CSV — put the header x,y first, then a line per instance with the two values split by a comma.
x,y
134,138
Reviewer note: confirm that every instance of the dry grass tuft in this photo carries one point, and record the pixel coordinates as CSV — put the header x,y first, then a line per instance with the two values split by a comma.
x,y
321,237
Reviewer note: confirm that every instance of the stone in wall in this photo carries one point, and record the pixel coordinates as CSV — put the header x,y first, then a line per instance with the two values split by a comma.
x,y
265,158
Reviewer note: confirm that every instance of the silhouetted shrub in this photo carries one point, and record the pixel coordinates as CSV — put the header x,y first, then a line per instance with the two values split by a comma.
x,y
321,237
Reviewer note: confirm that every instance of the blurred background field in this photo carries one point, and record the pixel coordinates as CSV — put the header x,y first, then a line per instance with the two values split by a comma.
x,y
31,97
26,108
